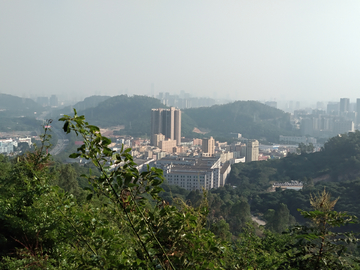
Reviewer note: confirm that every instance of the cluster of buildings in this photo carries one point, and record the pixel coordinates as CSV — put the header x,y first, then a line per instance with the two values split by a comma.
x,y
339,117
188,163
191,163
7,146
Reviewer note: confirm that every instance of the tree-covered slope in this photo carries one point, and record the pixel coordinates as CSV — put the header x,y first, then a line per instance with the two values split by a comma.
x,y
336,167
8,124
250,118
133,112
13,106
89,102
339,160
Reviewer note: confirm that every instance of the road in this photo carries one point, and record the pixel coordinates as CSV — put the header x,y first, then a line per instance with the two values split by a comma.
x,y
61,143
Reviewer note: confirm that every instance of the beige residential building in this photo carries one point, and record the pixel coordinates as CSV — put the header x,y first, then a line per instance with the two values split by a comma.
x,y
208,146
252,151
157,138
167,146
197,141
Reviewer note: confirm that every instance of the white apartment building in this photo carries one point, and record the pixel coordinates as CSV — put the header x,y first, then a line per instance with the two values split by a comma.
x,y
191,173
7,146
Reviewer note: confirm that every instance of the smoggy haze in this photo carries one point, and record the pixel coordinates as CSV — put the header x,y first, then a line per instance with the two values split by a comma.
x,y
239,49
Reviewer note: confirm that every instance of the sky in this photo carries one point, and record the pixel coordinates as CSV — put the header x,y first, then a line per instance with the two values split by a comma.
x,y
241,50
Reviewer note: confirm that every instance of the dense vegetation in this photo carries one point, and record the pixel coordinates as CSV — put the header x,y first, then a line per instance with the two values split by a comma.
x,y
335,167
121,219
250,118
13,106
89,102
8,124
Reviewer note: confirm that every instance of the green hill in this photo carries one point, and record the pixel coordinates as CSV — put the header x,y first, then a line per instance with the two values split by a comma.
x,y
132,112
250,118
89,102
13,106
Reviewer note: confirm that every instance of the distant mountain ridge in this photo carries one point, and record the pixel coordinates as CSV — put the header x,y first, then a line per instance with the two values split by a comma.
x,y
89,102
134,112
252,119
13,106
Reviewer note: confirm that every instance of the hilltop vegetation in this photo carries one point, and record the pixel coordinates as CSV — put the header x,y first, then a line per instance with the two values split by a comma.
x,y
89,102
250,118
13,106
132,112
8,124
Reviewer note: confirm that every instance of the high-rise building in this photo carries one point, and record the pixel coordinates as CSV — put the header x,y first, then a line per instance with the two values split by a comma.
x,y
358,110
252,151
54,100
166,122
344,105
208,146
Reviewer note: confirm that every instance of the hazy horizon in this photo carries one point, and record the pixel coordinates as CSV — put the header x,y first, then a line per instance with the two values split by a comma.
x,y
239,50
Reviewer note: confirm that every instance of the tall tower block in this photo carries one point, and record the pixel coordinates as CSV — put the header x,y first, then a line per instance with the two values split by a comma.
x,y
252,151
166,122
177,127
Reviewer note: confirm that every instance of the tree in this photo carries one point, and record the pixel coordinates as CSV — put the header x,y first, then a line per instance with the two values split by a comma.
x,y
66,179
318,246
279,220
239,215
221,229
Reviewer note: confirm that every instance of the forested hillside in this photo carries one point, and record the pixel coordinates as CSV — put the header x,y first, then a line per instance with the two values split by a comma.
x,y
89,102
13,106
250,118
132,112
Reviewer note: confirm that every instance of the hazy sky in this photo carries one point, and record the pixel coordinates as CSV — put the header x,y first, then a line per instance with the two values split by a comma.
x,y
260,50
